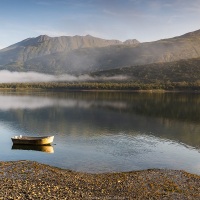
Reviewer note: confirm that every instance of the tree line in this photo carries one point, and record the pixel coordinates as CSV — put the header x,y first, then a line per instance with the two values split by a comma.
x,y
105,86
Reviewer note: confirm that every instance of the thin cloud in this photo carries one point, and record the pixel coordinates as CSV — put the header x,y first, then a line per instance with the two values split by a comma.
x,y
108,12
168,5
184,5
43,3
126,15
173,18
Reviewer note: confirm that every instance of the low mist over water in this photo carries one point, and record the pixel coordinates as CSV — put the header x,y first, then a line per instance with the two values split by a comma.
x,y
30,77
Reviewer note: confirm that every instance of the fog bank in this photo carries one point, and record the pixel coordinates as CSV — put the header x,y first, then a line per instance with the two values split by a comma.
x,y
30,77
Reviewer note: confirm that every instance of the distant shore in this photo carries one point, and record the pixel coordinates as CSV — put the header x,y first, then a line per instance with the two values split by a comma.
x,y
31,180
103,86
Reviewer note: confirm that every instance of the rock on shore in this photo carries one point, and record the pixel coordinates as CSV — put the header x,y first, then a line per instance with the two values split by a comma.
x,y
31,180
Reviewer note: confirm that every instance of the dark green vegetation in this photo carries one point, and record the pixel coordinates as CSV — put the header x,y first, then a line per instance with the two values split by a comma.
x,y
135,86
185,71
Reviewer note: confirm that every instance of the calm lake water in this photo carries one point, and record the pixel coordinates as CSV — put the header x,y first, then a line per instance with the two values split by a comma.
x,y
104,131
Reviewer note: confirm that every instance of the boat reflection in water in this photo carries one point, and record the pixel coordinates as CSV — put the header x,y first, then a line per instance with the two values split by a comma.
x,y
43,148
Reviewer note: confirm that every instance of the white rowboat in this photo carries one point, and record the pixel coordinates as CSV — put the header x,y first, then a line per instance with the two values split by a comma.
x,y
45,140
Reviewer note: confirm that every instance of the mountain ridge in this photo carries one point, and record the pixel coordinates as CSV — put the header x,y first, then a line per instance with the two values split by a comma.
x,y
43,38
86,54
44,45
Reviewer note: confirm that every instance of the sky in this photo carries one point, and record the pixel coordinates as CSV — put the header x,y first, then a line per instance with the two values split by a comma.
x,y
144,20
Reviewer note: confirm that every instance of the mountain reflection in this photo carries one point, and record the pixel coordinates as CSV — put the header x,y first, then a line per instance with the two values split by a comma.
x,y
171,116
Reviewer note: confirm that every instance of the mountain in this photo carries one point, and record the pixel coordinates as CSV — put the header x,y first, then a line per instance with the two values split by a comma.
x,y
45,45
86,54
131,42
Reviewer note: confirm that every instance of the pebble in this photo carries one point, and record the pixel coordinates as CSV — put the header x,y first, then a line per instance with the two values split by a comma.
x,y
32,180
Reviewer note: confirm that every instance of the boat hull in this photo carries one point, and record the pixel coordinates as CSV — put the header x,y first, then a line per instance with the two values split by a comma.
x,y
46,140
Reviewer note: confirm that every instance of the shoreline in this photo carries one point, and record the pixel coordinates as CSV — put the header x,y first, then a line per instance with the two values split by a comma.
x,y
161,87
32,180
100,90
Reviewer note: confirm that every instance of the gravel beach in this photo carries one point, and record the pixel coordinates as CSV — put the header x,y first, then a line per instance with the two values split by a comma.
x,y
32,180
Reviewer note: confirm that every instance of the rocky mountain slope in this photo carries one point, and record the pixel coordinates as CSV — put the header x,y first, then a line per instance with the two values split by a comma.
x,y
45,45
78,55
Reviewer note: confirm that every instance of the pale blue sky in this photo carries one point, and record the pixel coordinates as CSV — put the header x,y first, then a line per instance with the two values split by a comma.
x,y
145,20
